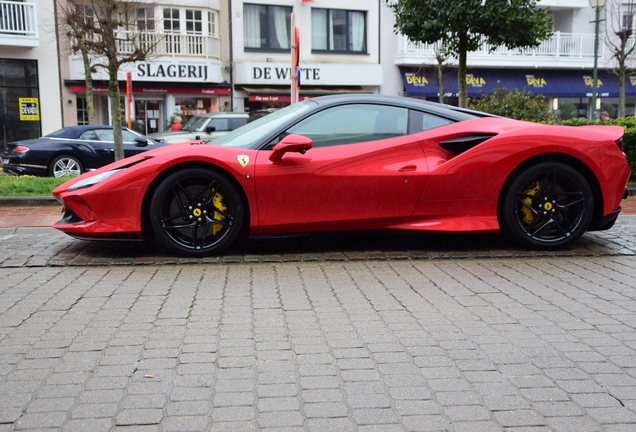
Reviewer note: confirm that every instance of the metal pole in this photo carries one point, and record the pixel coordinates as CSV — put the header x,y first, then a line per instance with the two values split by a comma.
x,y
595,73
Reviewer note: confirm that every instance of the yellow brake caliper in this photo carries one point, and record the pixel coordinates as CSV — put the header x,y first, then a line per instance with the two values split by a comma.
x,y
525,211
216,202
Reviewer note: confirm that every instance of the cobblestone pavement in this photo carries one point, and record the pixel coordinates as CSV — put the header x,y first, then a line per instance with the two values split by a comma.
x,y
39,246
539,343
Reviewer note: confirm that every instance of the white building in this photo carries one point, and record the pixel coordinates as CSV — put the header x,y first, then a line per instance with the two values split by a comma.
x,y
30,103
187,74
339,49
235,55
561,68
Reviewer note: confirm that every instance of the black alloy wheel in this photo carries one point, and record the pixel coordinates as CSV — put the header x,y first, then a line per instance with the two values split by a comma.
x,y
548,206
197,212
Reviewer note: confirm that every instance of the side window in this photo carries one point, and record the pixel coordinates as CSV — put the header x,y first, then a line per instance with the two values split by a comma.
x,y
218,124
89,135
423,121
104,134
356,123
237,123
128,137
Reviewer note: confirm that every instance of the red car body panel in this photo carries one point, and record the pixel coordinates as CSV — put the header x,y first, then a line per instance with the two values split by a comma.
x,y
408,182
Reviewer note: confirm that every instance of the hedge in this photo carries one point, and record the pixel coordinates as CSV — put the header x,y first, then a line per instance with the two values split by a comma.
x,y
629,138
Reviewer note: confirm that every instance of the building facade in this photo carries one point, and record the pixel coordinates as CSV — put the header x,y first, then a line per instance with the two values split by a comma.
x,y
235,55
560,68
339,49
30,103
185,74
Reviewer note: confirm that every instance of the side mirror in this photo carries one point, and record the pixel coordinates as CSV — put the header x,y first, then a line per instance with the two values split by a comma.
x,y
291,143
141,142
210,129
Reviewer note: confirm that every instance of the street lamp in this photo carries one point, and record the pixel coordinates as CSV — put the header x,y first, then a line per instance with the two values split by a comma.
x,y
597,5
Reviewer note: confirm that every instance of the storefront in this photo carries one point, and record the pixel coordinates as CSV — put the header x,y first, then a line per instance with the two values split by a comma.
x,y
160,91
560,87
268,85
153,106
20,116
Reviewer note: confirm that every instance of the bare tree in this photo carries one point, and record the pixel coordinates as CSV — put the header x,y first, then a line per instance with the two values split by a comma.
x,y
106,32
619,27
74,20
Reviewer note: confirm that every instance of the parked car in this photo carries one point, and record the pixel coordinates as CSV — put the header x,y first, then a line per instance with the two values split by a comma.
x,y
359,162
71,151
204,127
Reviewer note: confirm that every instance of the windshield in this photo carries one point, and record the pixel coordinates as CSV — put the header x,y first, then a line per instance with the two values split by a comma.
x,y
57,133
195,124
248,135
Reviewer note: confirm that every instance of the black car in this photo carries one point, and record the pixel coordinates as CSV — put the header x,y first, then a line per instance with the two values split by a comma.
x,y
71,151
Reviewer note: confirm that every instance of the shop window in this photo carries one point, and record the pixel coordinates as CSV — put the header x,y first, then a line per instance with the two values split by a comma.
x,y
18,79
266,28
340,31
190,106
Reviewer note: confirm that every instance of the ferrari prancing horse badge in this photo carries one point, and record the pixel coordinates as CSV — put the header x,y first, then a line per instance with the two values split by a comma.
x,y
243,160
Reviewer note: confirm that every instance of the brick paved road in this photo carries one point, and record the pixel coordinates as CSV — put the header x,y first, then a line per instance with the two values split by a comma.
x,y
453,344
35,247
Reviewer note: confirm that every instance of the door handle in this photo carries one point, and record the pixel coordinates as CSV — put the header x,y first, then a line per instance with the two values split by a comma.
x,y
408,168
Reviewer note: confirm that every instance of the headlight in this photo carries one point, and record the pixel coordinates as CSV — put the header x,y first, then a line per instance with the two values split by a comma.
x,y
92,181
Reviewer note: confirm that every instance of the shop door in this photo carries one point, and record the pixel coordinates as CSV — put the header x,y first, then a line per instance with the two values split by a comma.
x,y
149,113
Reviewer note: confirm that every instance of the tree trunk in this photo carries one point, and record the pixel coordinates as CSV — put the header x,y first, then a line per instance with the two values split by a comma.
x,y
90,101
461,73
440,76
621,90
113,95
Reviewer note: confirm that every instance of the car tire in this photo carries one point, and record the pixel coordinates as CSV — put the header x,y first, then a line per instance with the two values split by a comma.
x,y
197,212
547,206
65,165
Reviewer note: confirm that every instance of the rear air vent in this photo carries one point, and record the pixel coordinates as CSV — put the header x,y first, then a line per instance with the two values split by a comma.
x,y
461,144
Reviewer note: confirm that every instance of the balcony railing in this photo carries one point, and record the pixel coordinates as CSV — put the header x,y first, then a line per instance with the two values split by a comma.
x,y
569,45
169,44
17,18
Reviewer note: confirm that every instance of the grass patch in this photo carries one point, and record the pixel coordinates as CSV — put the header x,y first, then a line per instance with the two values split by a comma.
x,y
29,185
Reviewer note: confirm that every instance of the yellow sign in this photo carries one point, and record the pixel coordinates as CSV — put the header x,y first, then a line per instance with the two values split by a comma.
x,y
29,109
416,80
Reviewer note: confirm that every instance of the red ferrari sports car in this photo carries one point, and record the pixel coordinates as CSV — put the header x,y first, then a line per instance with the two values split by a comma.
x,y
364,162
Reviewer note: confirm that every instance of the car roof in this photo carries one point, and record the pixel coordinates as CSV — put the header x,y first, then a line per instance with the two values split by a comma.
x,y
75,131
223,114
448,111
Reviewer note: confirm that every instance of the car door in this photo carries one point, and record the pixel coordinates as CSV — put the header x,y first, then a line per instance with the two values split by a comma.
x,y
363,169
106,147
132,147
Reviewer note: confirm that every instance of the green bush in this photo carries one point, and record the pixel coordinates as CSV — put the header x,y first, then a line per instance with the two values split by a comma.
x,y
518,104
629,138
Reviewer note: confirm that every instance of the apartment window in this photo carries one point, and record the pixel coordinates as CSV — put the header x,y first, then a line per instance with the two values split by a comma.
x,y
266,28
628,21
336,30
211,23
171,22
194,21
146,19
82,111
